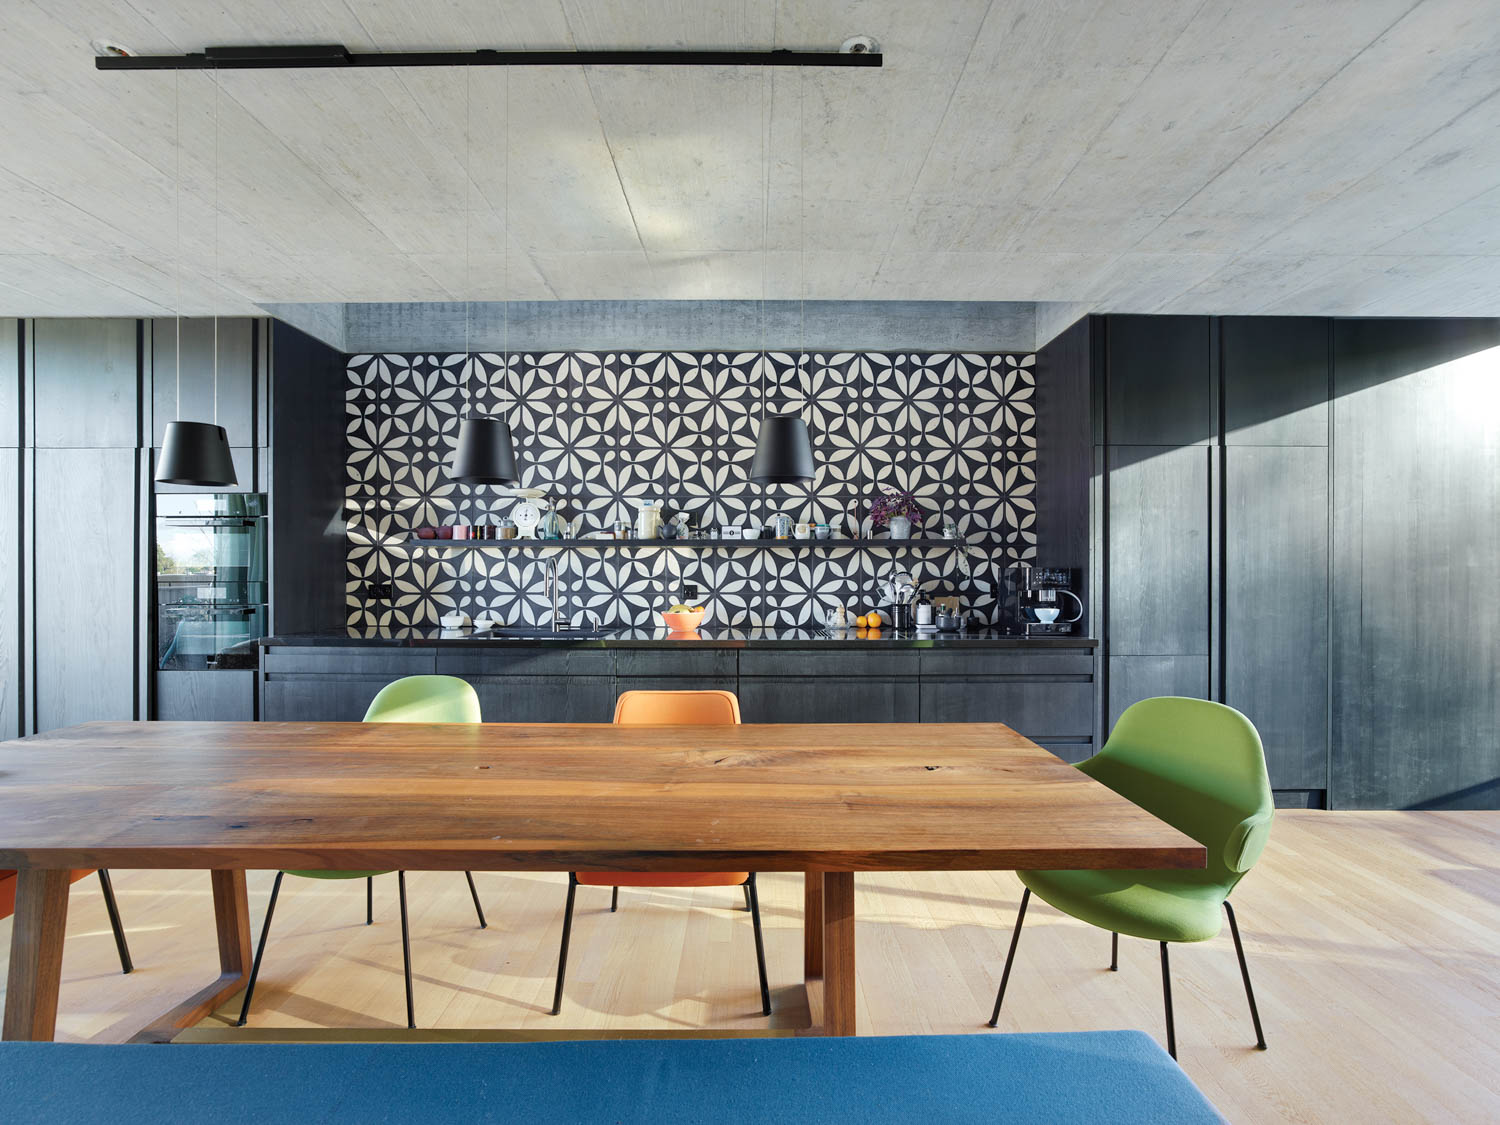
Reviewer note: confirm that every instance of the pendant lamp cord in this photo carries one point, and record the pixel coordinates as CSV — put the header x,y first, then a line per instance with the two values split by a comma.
x,y
468,203
765,230
801,225
218,273
177,208
505,267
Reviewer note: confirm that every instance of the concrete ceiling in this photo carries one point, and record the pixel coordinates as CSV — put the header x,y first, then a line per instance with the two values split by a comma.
x,y
1224,156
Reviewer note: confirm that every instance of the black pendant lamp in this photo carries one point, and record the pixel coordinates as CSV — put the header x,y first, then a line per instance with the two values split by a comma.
x,y
783,452
783,455
196,453
485,454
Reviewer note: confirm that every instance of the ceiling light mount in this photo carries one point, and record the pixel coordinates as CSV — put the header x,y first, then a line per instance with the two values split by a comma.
x,y
298,56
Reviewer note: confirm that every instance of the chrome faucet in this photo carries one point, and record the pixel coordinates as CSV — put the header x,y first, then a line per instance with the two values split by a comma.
x,y
551,590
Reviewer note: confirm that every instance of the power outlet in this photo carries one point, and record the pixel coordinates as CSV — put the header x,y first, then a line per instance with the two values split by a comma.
x,y
377,591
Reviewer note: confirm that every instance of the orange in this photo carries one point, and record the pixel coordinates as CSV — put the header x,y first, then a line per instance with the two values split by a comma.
x,y
873,620
861,622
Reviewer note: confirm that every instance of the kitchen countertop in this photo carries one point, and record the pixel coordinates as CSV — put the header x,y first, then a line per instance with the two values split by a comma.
x,y
660,638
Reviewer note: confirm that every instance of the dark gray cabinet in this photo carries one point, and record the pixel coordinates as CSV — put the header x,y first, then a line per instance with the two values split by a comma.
x,y
1046,693
545,699
1416,488
828,699
1276,380
1158,551
226,695
1040,709
10,385
13,679
86,604
318,699
1158,377
1276,604
85,383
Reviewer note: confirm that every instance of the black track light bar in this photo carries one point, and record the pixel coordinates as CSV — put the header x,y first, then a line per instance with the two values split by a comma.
x,y
336,55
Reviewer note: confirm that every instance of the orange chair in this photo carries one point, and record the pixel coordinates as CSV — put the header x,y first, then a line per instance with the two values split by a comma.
x,y
669,708
8,907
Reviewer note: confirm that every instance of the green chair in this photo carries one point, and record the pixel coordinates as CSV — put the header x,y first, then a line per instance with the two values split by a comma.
x,y
412,699
1200,767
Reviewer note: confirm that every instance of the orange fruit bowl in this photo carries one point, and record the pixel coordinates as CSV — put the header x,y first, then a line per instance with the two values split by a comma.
x,y
683,622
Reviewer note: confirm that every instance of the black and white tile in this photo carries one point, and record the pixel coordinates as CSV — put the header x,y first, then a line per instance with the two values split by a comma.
x,y
601,431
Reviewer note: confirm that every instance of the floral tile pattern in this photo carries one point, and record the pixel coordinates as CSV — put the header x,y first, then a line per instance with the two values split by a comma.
x,y
601,431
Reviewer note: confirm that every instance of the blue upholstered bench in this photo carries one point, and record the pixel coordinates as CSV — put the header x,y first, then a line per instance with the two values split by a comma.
x,y
1107,1076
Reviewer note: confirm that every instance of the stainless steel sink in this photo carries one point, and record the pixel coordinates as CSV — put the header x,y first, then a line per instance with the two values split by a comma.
x,y
540,633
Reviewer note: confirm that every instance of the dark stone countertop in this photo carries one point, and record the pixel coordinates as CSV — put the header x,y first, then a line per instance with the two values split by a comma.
x,y
661,638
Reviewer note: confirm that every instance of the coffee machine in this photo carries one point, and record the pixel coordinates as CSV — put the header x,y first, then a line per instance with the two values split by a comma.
x,y
1045,601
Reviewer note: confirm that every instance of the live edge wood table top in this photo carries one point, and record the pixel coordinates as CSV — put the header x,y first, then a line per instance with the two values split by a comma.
x,y
823,798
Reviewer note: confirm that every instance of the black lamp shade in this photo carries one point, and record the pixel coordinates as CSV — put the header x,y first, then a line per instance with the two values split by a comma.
x,y
195,453
783,455
484,454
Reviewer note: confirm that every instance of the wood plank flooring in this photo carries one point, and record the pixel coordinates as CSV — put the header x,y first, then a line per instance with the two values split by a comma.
x,y
1371,938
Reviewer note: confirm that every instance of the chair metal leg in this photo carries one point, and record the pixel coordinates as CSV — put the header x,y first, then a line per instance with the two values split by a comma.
x,y
760,949
369,900
614,899
1114,952
126,965
1239,951
748,904
1166,991
260,950
562,956
411,1020
1015,936
474,894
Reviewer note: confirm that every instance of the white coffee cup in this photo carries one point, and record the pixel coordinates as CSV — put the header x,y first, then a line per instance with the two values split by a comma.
x,y
1046,615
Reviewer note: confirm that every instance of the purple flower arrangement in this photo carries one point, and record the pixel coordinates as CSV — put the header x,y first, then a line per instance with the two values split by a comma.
x,y
891,504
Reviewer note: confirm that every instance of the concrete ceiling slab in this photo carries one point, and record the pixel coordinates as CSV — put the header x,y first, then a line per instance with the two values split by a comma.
x,y
1229,156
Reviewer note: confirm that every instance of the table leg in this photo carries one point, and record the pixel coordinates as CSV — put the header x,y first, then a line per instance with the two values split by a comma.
x,y
232,924
36,946
838,953
232,920
812,924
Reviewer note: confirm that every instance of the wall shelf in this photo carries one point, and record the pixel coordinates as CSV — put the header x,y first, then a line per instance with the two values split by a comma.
x,y
702,544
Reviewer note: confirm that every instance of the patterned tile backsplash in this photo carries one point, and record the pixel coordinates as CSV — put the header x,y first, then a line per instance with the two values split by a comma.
x,y
602,431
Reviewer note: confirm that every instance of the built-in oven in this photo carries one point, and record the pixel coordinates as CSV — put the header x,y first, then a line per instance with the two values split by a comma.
x,y
211,572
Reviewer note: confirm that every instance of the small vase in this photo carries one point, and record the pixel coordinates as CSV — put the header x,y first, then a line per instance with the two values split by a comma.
x,y
900,527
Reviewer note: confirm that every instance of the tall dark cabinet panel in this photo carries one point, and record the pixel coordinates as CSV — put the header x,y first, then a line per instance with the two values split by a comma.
x,y
1276,605
85,382
10,384
1159,406
82,518
307,483
1065,456
13,678
1159,389
13,686
1158,584
1416,613
1275,646
86,598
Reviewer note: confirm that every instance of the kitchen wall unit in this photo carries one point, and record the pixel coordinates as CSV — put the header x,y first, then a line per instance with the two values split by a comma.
x,y
1272,497
1045,693
82,405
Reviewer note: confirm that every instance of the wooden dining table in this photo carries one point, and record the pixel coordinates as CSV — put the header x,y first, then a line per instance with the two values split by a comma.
x,y
829,800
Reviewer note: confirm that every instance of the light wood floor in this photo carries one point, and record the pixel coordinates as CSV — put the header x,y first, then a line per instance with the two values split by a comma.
x,y
1373,938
